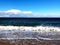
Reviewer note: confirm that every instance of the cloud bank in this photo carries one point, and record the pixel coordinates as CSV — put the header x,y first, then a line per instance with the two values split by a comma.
x,y
15,13
20,13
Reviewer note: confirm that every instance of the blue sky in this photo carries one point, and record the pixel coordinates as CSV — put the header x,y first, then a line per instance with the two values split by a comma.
x,y
37,7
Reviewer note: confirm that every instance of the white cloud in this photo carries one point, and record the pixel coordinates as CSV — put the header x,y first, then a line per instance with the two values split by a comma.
x,y
20,13
13,11
27,12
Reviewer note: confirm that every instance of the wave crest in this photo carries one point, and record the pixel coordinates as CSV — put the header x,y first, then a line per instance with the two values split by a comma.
x,y
36,28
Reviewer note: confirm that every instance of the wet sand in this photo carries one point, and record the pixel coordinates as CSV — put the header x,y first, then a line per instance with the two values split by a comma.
x,y
28,42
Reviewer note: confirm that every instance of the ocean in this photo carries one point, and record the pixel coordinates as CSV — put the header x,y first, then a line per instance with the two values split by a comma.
x,y
30,21
29,31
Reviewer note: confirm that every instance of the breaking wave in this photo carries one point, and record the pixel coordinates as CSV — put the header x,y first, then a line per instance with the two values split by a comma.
x,y
30,32
42,28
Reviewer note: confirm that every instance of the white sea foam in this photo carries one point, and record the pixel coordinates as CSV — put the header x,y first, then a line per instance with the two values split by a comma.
x,y
25,32
30,28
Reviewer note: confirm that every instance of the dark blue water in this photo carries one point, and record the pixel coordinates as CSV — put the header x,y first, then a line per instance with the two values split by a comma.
x,y
30,21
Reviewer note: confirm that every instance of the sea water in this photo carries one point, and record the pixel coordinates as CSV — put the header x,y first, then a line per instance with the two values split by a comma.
x,y
28,28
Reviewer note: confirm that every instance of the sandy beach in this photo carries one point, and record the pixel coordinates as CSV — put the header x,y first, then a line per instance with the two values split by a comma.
x,y
28,42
